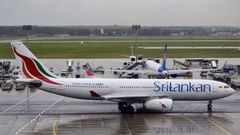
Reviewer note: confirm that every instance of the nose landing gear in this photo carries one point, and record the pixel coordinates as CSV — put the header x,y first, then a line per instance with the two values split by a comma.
x,y
209,106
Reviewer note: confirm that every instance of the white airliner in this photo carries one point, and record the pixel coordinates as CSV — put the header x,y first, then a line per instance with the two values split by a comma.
x,y
154,94
160,69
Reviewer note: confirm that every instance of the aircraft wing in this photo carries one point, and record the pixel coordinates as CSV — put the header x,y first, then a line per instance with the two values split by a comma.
x,y
131,97
169,72
138,71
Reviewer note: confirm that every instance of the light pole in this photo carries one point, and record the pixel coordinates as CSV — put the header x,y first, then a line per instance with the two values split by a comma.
x,y
136,28
27,28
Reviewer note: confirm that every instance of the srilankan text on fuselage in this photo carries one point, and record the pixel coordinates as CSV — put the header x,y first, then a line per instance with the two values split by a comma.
x,y
181,87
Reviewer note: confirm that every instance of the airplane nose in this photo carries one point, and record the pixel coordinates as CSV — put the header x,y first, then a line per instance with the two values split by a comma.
x,y
231,91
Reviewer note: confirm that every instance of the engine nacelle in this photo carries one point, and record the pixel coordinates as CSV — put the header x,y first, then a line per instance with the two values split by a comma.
x,y
165,72
160,105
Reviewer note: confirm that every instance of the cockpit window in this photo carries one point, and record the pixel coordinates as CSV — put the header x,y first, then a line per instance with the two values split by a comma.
x,y
226,87
220,86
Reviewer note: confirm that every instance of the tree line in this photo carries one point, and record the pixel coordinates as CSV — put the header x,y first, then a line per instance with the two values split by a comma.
x,y
114,30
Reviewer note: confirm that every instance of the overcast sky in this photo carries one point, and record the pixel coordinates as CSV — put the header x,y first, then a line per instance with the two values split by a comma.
x,y
121,12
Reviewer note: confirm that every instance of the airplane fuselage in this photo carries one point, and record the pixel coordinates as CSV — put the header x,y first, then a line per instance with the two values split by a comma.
x,y
175,89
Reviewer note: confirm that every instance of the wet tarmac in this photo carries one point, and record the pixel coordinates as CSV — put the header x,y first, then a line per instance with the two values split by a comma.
x,y
44,113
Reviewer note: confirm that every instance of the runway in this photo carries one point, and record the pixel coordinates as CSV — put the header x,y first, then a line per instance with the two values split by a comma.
x,y
46,113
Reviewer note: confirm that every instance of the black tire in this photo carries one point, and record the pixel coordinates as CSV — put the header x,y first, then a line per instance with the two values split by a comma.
x,y
123,110
130,109
121,105
209,107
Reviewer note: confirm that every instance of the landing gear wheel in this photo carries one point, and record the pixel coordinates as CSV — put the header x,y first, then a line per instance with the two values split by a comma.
x,y
130,109
209,106
124,108
121,105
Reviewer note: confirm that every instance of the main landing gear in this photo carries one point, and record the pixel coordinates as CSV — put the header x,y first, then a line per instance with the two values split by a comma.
x,y
209,106
125,108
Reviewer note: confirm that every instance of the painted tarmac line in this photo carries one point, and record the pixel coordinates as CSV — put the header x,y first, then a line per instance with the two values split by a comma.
x,y
219,127
54,128
18,103
36,117
191,121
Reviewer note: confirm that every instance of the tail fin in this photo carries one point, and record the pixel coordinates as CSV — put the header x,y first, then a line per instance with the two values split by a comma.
x,y
30,65
164,58
225,64
89,73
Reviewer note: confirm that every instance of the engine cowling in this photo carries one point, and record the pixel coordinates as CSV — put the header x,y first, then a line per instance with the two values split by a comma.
x,y
160,105
165,72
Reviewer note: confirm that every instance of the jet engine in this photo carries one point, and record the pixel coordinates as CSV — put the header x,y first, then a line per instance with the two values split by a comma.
x,y
165,72
160,105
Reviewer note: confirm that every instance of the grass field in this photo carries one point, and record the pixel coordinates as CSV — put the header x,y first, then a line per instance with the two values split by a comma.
x,y
71,48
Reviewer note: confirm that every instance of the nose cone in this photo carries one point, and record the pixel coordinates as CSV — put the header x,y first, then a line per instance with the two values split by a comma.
x,y
230,91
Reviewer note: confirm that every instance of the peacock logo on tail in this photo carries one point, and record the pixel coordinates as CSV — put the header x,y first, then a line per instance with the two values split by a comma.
x,y
32,68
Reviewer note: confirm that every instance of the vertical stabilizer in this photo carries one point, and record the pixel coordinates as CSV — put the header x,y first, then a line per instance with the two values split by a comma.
x,y
31,67
164,57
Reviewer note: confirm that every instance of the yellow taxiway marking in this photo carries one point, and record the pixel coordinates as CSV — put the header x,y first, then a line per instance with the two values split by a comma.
x,y
220,127
54,128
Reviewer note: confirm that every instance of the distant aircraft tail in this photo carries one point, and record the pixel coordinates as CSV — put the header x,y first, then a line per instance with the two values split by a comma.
x,y
164,58
31,67
224,64
89,73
